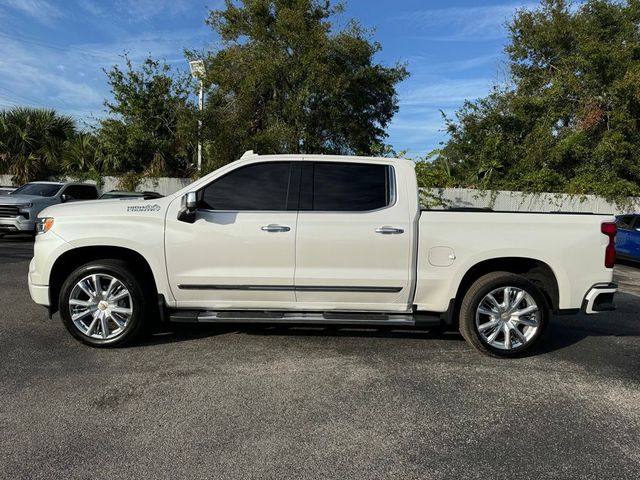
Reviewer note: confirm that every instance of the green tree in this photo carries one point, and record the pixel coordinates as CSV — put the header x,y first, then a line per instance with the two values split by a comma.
x,y
80,154
287,81
32,141
569,119
151,127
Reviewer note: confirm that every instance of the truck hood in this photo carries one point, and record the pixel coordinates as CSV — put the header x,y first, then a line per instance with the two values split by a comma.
x,y
108,208
22,199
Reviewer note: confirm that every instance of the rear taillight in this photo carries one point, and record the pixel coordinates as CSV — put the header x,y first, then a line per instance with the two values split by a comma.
x,y
610,229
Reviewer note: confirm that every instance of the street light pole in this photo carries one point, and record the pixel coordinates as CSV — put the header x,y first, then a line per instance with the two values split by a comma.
x,y
200,107
198,72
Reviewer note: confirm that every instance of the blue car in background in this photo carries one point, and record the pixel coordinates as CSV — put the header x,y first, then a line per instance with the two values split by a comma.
x,y
628,237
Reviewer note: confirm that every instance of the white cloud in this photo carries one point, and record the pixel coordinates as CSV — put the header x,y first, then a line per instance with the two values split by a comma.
x,y
124,12
30,75
419,125
471,63
159,44
485,22
91,7
70,78
145,9
420,65
441,93
41,10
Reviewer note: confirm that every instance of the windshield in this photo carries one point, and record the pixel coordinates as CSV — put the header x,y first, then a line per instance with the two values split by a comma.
x,y
38,189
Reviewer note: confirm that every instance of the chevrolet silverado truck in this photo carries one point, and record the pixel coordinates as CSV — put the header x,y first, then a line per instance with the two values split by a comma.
x,y
311,239
19,209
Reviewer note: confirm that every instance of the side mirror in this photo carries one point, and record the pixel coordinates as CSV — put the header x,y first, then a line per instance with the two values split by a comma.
x,y
191,201
65,198
189,205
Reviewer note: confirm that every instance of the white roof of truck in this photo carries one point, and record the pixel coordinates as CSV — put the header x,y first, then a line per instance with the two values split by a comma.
x,y
319,157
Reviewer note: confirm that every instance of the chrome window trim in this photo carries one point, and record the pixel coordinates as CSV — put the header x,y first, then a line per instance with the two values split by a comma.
x,y
393,195
296,288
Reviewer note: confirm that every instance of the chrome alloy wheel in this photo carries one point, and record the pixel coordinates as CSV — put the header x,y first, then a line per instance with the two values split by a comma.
x,y
100,306
507,318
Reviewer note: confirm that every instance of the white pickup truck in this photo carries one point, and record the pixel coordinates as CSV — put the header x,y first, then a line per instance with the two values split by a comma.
x,y
317,240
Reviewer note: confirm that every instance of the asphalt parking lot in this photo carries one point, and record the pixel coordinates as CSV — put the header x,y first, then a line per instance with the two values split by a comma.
x,y
269,402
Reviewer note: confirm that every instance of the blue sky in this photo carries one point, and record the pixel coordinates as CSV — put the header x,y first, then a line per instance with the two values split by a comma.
x,y
52,52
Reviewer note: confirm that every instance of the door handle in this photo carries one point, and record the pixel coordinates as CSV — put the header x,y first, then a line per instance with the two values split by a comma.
x,y
389,230
272,227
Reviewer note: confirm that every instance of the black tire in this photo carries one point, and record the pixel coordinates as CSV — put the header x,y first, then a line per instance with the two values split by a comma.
x,y
471,302
140,300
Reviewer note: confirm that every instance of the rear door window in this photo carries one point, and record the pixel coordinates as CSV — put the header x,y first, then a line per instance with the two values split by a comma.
x,y
346,187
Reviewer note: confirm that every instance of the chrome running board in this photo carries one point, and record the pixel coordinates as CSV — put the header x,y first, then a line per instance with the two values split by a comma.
x,y
318,318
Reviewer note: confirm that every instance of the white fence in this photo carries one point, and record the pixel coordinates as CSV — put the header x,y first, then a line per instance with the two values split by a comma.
x,y
162,185
449,197
524,202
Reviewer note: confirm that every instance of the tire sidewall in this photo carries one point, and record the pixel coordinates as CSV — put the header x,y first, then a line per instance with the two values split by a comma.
x,y
475,295
119,271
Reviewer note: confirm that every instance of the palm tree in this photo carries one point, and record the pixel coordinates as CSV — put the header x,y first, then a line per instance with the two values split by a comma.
x,y
79,153
3,147
32,140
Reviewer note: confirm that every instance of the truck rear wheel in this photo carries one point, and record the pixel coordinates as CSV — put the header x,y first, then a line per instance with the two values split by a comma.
x,y
503,314
102,304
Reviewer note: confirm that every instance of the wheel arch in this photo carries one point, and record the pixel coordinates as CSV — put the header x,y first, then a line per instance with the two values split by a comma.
x,y
72,259
534,270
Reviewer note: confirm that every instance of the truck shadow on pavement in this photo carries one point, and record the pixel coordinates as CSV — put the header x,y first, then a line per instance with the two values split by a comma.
x,y
563,331
173,333
16,248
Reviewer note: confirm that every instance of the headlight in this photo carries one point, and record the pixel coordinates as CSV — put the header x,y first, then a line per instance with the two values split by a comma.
x,y
43,225
25,205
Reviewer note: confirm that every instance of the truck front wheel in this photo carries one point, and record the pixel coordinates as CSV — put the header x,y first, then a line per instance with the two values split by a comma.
x,y
503,314
103,304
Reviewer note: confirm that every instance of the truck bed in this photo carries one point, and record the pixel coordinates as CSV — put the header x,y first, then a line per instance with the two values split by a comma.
x,y
451,242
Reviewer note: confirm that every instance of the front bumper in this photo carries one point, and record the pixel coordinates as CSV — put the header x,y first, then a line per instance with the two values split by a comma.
x,y
39,293
599,298
17,224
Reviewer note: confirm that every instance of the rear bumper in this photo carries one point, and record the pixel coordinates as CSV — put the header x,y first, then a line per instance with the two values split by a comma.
x,y
599,298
